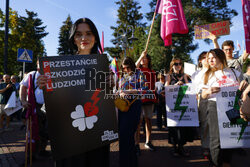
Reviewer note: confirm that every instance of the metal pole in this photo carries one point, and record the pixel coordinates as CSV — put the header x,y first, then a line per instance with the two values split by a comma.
x,y
23,68
6,37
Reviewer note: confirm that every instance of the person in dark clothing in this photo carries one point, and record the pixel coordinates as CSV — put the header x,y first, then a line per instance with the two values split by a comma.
x,y
160,106
131,83
84,40
178,136
6,89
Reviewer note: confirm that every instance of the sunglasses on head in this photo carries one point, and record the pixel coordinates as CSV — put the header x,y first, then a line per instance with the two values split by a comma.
x,y
176,64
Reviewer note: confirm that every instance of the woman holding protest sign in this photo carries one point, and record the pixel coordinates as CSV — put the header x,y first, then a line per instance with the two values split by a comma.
x,y
178,136
131,84
218,75
84,39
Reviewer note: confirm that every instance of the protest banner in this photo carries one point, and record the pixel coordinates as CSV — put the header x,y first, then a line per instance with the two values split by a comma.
x,y
234,131
79,118
181,106
217,29
189,68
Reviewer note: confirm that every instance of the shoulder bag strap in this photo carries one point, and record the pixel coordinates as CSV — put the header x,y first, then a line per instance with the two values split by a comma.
x,y
235,75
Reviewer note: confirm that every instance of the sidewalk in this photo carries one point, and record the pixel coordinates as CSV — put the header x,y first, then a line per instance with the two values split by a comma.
x,y
12,152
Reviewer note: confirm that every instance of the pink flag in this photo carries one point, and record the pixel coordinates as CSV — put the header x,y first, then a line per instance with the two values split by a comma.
x,y
102,43
31,111
246,21
172,19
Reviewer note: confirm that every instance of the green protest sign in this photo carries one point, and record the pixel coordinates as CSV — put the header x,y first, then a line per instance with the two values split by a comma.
x,y
234,131
181,106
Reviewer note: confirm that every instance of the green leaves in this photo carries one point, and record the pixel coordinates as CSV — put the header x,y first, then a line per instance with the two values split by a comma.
x,y
128,15
64,46
25,32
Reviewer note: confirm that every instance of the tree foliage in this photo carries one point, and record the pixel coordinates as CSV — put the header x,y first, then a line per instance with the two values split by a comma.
x,y
25,32
64,47
197,12
128,16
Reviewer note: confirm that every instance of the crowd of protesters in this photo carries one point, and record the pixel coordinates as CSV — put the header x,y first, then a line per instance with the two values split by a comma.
x,y
213,65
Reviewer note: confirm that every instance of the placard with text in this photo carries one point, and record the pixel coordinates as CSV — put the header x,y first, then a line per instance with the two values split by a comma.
x,y
181,106
80,119
217,29
232,135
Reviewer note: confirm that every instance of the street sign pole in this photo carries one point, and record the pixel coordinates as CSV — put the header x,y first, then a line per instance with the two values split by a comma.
x,y
6,37
25,56
23,68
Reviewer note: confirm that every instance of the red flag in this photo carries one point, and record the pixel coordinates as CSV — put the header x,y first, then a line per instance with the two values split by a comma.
x,y
102,42
172,19
31,111
246,21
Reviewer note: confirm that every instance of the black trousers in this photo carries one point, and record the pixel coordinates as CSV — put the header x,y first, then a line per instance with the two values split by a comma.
x,y
43,128
128,122
203,118
161,111
218,155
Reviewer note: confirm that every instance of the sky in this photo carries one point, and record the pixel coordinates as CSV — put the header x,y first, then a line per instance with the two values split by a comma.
x,y
104,14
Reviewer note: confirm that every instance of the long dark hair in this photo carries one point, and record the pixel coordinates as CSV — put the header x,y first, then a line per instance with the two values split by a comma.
x,y
149,61
92,27
130,62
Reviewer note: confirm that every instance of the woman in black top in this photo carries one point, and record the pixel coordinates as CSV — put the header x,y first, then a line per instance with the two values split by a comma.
x,y
84,39
178,136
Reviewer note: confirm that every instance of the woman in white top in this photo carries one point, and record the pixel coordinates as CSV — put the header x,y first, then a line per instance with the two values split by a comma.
x,y
218,75
197,81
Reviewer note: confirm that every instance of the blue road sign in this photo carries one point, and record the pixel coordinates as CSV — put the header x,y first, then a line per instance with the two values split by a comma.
x,y
24,55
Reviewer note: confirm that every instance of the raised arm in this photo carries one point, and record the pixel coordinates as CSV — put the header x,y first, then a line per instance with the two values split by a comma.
x,y
138,62
245,55
214,40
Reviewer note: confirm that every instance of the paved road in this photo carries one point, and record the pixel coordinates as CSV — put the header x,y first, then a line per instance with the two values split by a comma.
x,y
12,152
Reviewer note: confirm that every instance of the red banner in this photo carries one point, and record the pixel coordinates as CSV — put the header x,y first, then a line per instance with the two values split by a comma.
x,y
246,22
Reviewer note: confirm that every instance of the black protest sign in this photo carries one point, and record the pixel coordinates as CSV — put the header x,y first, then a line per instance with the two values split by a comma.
x,y
79,117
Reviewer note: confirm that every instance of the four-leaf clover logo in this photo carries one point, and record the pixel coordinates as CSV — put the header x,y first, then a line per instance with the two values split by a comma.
x,y
81,121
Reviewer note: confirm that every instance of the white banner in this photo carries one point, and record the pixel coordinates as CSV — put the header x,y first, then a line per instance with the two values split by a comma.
x,y
231,135
181,106
13,104
189,68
